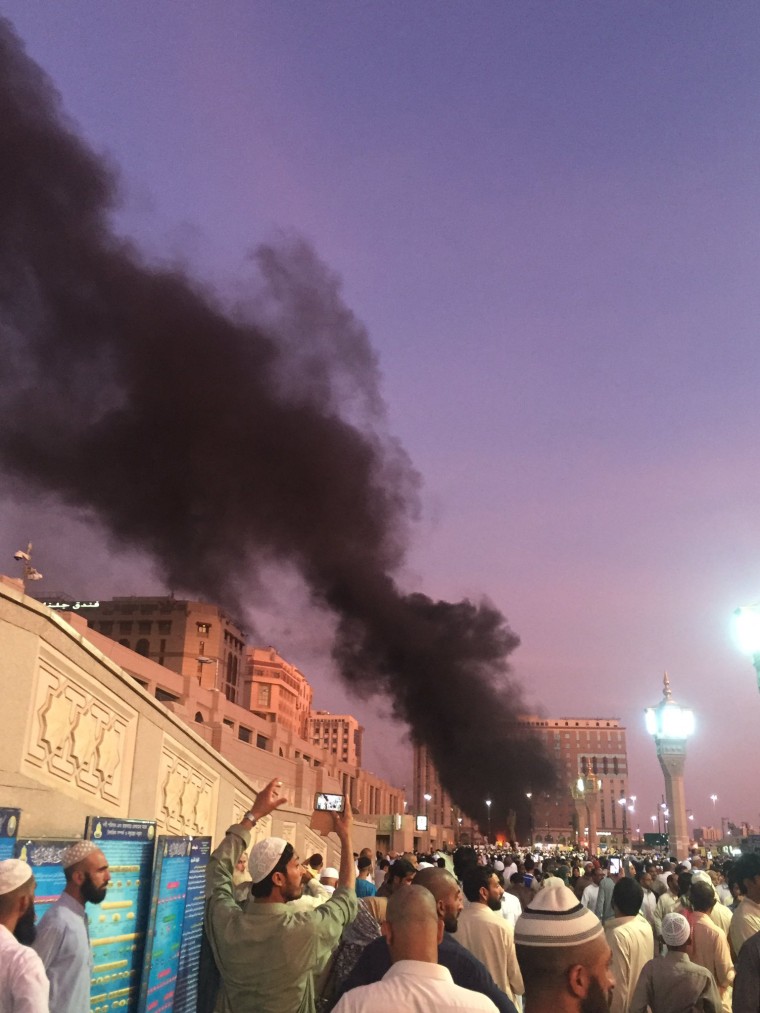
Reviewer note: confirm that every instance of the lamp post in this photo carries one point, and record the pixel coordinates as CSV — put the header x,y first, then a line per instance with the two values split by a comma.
x,y
747,633
670,725
488,803
586,798
202,660
529,796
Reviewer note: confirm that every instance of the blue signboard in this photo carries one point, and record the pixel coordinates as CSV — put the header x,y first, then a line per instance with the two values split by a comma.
x,y
167,916
9,820
44,856
186,993
118,924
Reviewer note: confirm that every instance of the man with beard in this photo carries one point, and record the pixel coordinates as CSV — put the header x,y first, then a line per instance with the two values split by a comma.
x,y
484,931
268,954
466,970
63,937
23,984
563,954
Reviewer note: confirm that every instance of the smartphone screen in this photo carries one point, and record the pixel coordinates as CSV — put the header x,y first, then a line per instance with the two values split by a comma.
x,y
615,865
327,803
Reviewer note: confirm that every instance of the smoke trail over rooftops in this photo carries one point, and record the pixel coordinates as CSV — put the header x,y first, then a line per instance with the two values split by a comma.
x,y
216,443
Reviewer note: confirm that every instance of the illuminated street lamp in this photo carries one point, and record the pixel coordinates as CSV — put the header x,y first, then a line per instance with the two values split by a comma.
x,y
671,725
488,803
529,796
747,633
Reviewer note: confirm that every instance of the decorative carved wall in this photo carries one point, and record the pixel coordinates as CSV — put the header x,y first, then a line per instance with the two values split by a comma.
x,y
186,798
80,737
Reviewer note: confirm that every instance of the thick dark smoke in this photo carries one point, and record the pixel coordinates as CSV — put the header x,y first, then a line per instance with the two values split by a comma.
x,y
216,444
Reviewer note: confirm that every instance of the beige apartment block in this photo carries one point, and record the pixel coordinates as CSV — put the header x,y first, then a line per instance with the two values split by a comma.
x,y
280,693
93,728
339,734
596,745
189,637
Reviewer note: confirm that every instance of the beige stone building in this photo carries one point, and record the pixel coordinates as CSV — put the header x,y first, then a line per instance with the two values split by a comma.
x,y
279,692
188,637
339,734
98,729
596,745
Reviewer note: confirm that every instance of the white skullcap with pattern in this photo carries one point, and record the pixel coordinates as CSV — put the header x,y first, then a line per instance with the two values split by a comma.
x,y
13,873
76,852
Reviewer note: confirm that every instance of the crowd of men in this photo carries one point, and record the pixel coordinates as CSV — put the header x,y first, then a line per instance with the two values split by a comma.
x,y
475,930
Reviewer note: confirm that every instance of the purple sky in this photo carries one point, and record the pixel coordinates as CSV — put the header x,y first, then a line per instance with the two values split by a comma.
x,y
547,214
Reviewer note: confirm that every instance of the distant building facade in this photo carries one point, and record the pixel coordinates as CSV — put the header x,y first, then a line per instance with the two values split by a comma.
x,y
249,703
597,745
339,734
192,638
280,692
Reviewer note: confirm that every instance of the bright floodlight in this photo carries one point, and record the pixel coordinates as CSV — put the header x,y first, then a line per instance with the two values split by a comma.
x,y
668,720
579,784
747,628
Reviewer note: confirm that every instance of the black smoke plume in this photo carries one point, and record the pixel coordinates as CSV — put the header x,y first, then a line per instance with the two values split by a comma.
x,y
215,443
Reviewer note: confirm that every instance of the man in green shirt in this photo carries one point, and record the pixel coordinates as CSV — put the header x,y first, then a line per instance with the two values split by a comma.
x,y
269,954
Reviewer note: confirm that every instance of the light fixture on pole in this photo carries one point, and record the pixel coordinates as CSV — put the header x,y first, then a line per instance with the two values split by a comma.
x,y
671,725
529,796
747,633
202,660
29,572
488,803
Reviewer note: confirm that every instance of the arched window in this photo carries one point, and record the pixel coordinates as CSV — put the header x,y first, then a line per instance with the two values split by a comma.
x,y
593,765
605,765
199,717
143,647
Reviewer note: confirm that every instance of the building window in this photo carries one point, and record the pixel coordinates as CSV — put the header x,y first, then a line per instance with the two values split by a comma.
x,y
143,627
262,742
199,717
165,697
230,688
265,694
164,627
245,734
203,629
125,627
615,765
143,647
124,643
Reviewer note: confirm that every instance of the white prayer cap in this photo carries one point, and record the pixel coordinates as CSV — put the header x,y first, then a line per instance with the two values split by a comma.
x,y
76,852
498,865
264,856
329,873
13,873
675,929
